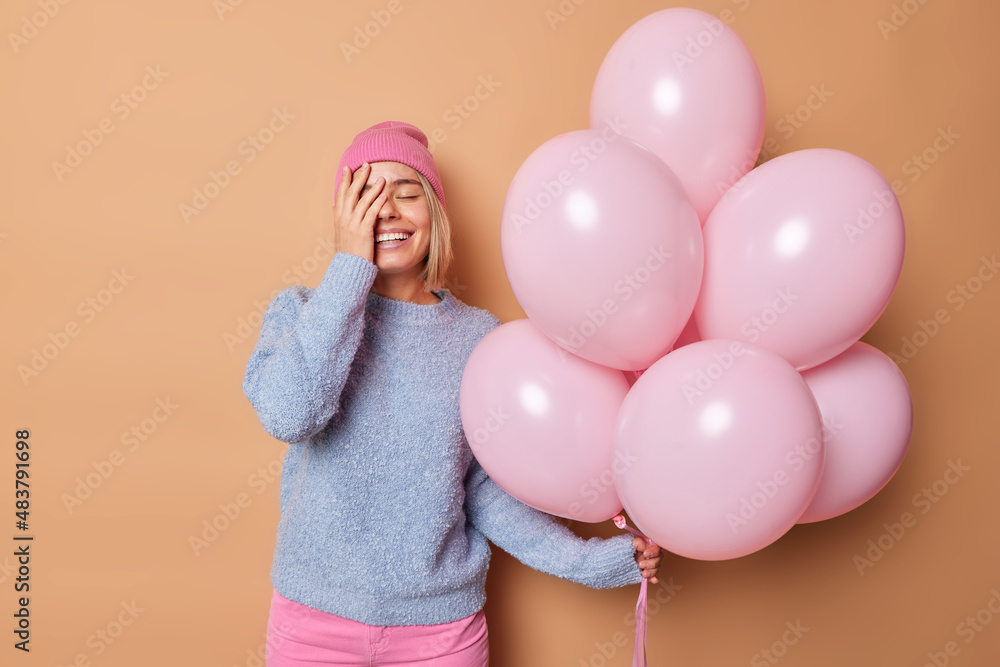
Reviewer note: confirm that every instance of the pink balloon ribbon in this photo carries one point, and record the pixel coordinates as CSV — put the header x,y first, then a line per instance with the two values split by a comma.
x,y
639,652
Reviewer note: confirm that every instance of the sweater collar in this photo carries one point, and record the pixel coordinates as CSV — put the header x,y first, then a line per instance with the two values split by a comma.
x,y
444,309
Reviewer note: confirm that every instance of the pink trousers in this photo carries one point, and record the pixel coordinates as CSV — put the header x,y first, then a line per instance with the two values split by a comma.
x,y
298,635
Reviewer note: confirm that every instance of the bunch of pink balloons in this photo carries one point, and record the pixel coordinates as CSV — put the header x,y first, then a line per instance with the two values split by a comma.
x,y
692,344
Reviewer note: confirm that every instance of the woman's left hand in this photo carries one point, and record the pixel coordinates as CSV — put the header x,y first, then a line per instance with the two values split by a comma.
x,y
648,558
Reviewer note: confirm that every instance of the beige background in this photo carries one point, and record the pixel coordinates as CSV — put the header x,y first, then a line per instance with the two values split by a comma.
x,y
180,329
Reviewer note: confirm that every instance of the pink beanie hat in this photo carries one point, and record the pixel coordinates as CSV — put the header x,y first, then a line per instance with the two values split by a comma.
x,y
392,141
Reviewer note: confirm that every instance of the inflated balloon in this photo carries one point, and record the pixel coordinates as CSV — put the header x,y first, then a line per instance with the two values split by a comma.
x,y
602,248
541,422
723,444
801,256
683,84
866,408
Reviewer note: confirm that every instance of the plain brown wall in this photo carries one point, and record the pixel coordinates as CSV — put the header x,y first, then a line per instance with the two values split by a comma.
x,y
177,331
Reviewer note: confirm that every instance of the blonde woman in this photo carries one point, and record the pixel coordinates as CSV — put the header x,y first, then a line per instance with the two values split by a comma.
x,y
382,553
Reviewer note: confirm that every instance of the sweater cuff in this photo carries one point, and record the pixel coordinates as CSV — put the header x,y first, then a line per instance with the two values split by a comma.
x,y
347,274
621,568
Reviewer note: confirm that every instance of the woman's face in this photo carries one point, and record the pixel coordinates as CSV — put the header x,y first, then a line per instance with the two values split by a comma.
x,y
405,211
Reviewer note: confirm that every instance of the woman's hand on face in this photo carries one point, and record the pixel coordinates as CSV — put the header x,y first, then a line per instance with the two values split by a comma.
x,y
354,215
647,555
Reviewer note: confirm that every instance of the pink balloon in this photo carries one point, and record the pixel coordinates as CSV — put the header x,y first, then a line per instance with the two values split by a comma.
x,y
602,248
684,85
541,421
724,447
866,408
801,256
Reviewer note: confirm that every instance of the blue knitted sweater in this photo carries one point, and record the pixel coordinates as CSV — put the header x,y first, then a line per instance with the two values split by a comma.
x,y
385,512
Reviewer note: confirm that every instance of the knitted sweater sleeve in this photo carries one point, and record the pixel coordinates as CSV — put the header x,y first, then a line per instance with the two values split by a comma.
x,y
308,339
540,542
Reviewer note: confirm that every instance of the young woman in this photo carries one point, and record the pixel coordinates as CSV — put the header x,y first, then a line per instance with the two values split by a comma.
x,y
381,553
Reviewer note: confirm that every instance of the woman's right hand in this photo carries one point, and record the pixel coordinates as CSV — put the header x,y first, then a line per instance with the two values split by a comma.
x,y
354,215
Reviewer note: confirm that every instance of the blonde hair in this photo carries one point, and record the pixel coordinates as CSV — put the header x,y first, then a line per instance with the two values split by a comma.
x,y
439,255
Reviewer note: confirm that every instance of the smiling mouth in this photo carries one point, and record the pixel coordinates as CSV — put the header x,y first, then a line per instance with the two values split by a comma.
x,y
391,237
